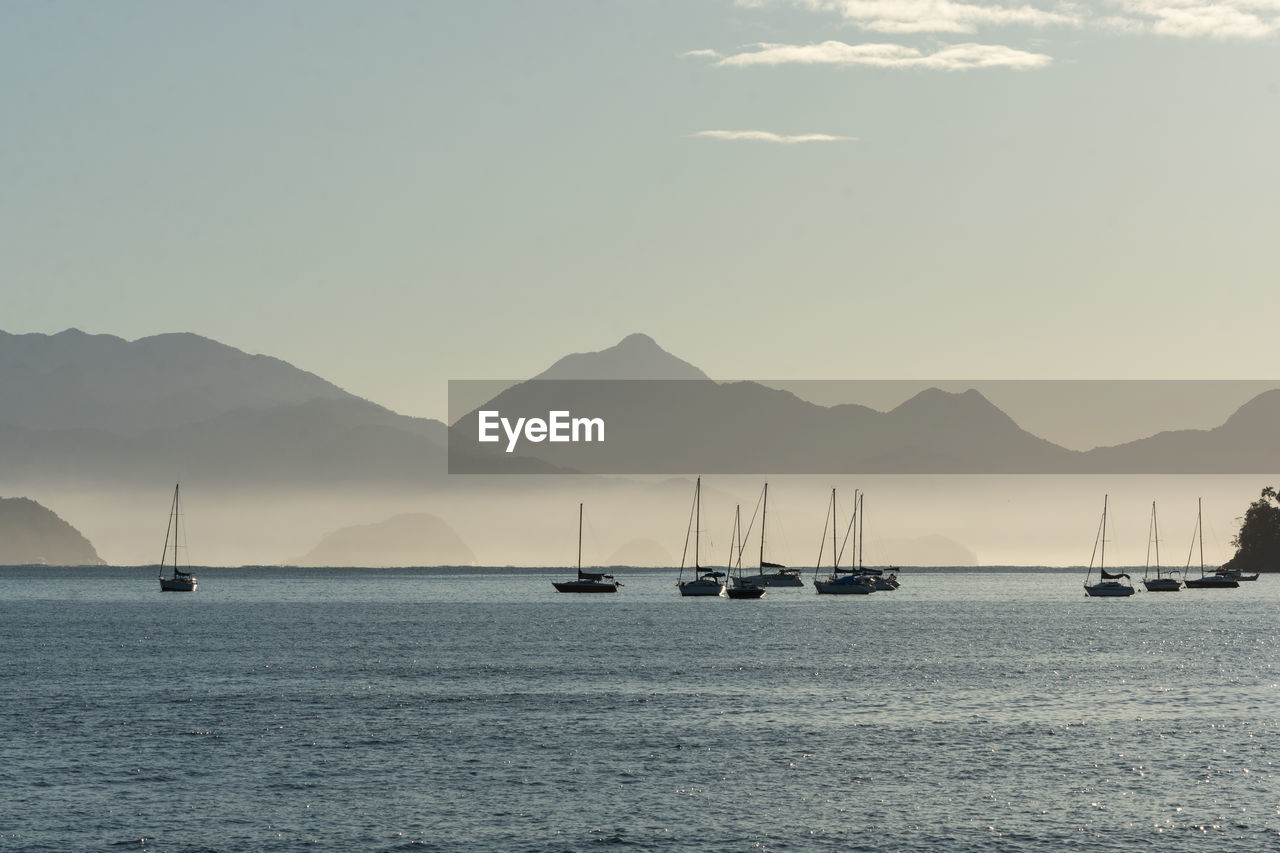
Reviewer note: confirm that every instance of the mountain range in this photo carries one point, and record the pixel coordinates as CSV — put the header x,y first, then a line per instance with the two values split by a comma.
x,y
100,428
78,408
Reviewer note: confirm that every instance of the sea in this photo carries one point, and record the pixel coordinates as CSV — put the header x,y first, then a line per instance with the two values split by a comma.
x,y
477,709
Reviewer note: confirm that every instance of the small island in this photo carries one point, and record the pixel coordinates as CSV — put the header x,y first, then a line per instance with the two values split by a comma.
x,y
31,534
412,539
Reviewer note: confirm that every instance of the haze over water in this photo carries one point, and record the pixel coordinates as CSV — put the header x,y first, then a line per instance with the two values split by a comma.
x,y
389,709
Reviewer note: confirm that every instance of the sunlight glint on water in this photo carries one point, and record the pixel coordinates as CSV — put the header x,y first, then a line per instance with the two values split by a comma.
x,y
379,710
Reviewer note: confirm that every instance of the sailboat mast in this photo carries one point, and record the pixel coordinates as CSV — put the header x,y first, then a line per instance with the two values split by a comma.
x,y
861,526
735,541
1200,529
1103,558
177,519
697,522
1155,530
764,512
835,559
579,539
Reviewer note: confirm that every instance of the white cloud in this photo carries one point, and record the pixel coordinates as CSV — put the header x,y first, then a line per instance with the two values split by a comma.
x,y
1223,19
956,57
1248,19
712,54
766,136
916,16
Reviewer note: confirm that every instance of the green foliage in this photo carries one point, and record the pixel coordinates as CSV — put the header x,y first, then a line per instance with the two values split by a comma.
x,y
1258,542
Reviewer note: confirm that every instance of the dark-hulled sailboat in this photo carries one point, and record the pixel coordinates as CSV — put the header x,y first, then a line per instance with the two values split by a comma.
x,y
586,581
178,580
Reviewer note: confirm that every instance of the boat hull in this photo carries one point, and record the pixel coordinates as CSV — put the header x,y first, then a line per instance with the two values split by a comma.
x,y
1108,589
702,588
177,584
746,591
774,579
1212,582
584,586
843,586
1162,584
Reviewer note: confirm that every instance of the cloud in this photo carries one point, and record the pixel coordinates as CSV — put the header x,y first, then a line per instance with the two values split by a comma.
x,y
1246,19
1222,19
956,57
918,16
766,136
712,54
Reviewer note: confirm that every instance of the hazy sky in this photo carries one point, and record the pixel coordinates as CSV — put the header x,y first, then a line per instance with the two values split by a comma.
x,y
392,194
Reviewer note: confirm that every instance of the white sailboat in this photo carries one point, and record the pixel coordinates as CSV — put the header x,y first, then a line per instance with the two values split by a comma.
x,y
848,581
1161,582
178,580
771,574
586,581
1110,585
706,582
1214,581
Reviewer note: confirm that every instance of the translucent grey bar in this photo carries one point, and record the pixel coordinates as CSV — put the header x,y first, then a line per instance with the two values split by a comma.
x,y
642,426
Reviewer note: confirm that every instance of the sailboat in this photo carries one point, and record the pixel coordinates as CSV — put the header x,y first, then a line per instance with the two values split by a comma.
x,y
1161,582
874,576
842,581
1213,581
771,574
740,587
178,580
706,582
586,581
1110,585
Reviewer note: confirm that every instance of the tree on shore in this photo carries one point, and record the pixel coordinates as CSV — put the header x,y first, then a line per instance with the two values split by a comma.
x,y
1258,542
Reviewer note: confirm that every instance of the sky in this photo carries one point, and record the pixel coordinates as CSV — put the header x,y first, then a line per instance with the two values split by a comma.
x,y
392,195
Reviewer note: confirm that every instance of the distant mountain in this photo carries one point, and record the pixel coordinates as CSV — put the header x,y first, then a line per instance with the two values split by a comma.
x,y
1246,443
74,380
322,441
416,539
85,409
636,356
32,534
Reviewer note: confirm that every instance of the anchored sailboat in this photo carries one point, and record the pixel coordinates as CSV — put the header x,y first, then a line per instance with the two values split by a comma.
x,y
848,581
1213,581
771,574
1161,582
586,581
706,582
1110,585
178,580
740,587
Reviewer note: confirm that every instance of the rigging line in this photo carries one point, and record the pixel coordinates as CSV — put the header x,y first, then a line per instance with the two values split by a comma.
x,y
821,548
593,537
1192,549
750,525
754,515
1096,540
845,540
689,528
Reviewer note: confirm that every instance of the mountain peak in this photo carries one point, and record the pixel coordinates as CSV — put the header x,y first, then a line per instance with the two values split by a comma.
x,y
638,339
637,356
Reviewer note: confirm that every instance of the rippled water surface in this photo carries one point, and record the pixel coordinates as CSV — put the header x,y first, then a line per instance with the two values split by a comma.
x,y
379,710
